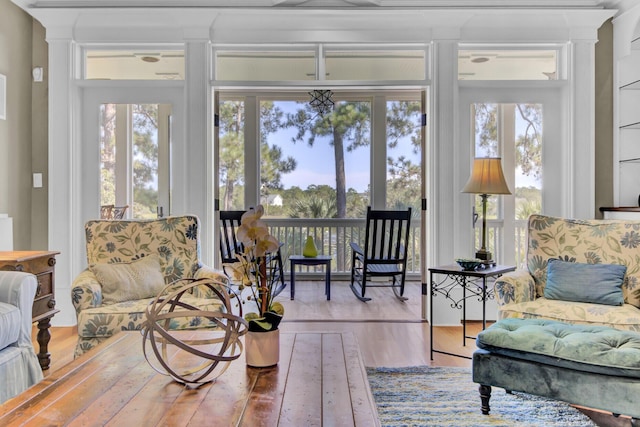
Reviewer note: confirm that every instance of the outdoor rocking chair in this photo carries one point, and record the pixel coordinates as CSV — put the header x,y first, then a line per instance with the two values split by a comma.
x,y
230,246
384,254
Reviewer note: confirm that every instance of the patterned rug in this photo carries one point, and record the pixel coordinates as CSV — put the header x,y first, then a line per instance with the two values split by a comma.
x,y
434,396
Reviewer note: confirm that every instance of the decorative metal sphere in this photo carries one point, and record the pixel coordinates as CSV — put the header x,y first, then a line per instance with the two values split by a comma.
x,y
192,355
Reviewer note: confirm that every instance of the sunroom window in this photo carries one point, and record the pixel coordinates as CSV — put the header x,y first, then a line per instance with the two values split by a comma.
x,y
270,65
142,64
508,64
375,64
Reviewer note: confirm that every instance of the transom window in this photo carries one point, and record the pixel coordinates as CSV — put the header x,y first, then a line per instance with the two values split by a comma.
x,y
145,63
320,62
508,64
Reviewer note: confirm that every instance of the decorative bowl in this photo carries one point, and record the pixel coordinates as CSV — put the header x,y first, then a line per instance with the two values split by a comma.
x,y
469,263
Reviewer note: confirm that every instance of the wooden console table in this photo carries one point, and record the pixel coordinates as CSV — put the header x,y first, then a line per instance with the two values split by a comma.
x,y
42,265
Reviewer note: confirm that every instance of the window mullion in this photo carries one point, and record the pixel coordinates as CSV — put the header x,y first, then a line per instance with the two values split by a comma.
x,y
507,146
124,154
378,172
251,151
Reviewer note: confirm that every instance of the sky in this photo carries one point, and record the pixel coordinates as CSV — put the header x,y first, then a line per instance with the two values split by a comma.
x,y
316,165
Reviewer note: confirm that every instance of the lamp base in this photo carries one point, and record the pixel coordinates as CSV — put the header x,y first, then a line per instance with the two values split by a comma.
x,y
486,257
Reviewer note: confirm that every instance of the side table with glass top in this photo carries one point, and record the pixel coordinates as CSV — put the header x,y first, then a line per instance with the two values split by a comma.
x,y
473,283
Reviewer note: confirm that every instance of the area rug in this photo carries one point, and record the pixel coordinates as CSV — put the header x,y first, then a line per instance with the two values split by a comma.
x,y
435,396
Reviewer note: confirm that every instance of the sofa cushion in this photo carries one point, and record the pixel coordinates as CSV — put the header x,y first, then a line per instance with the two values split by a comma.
x,y
10,321
107,320
575,281
129,281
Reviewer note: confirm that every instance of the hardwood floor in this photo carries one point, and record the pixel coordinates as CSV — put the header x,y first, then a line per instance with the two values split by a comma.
x,y
389,333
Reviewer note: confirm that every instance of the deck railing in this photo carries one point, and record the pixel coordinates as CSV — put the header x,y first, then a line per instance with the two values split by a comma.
x,y
495,236
333,236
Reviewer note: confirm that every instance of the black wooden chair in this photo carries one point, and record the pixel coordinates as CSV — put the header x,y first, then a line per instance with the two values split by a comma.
x,y
384,254
230,246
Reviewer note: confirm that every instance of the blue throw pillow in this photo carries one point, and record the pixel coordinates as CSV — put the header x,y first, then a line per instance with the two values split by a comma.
x,y
594,283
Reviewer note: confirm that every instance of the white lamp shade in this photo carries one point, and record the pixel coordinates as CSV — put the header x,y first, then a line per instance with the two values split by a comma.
x,y
486,177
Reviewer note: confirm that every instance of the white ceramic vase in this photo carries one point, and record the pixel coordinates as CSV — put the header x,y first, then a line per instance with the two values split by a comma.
x,y
262,349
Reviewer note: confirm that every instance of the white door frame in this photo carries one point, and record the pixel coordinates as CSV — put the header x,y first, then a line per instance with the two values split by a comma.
x,y
556,179
92,99
555,146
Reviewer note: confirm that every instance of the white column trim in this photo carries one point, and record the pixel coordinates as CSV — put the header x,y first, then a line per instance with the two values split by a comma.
x,y
580,169
194,176
66,232
446,236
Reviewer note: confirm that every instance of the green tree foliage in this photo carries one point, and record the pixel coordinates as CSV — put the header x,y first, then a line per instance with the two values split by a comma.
x,y
145,160
528,201
313,206
108,154
529,143
348,127
486,116
231,141
272,163
321,200
528,152
404,176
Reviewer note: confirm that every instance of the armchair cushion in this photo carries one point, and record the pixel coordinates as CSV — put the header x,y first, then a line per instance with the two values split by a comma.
x,y
10,321
120,282
575,281
616,316
19,367
515,287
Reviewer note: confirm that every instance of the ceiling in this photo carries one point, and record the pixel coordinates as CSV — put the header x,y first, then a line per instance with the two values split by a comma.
x,y
535,4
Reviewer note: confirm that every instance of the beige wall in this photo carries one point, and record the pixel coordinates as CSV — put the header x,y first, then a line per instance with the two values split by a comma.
x,y
23,136
40,140
604,118
15,131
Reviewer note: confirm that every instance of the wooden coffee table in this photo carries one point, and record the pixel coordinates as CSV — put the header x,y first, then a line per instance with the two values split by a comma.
x,y
320,380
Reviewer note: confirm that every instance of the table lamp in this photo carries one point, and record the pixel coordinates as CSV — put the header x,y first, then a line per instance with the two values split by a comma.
x,y
486,179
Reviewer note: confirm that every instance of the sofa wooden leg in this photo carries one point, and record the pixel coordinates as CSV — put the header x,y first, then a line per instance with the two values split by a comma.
x,y
485,395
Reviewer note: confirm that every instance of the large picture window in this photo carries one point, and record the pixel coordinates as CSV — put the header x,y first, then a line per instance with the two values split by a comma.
x,y
319,166
314,173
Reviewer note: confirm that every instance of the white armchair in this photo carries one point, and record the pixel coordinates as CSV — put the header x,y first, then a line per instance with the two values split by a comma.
x,y
19,366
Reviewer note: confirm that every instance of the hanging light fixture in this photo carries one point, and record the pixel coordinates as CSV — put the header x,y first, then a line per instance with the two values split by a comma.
x,y
321,101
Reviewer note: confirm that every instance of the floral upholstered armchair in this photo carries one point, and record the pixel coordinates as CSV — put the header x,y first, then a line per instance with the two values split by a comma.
x,y
129,263
569,275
